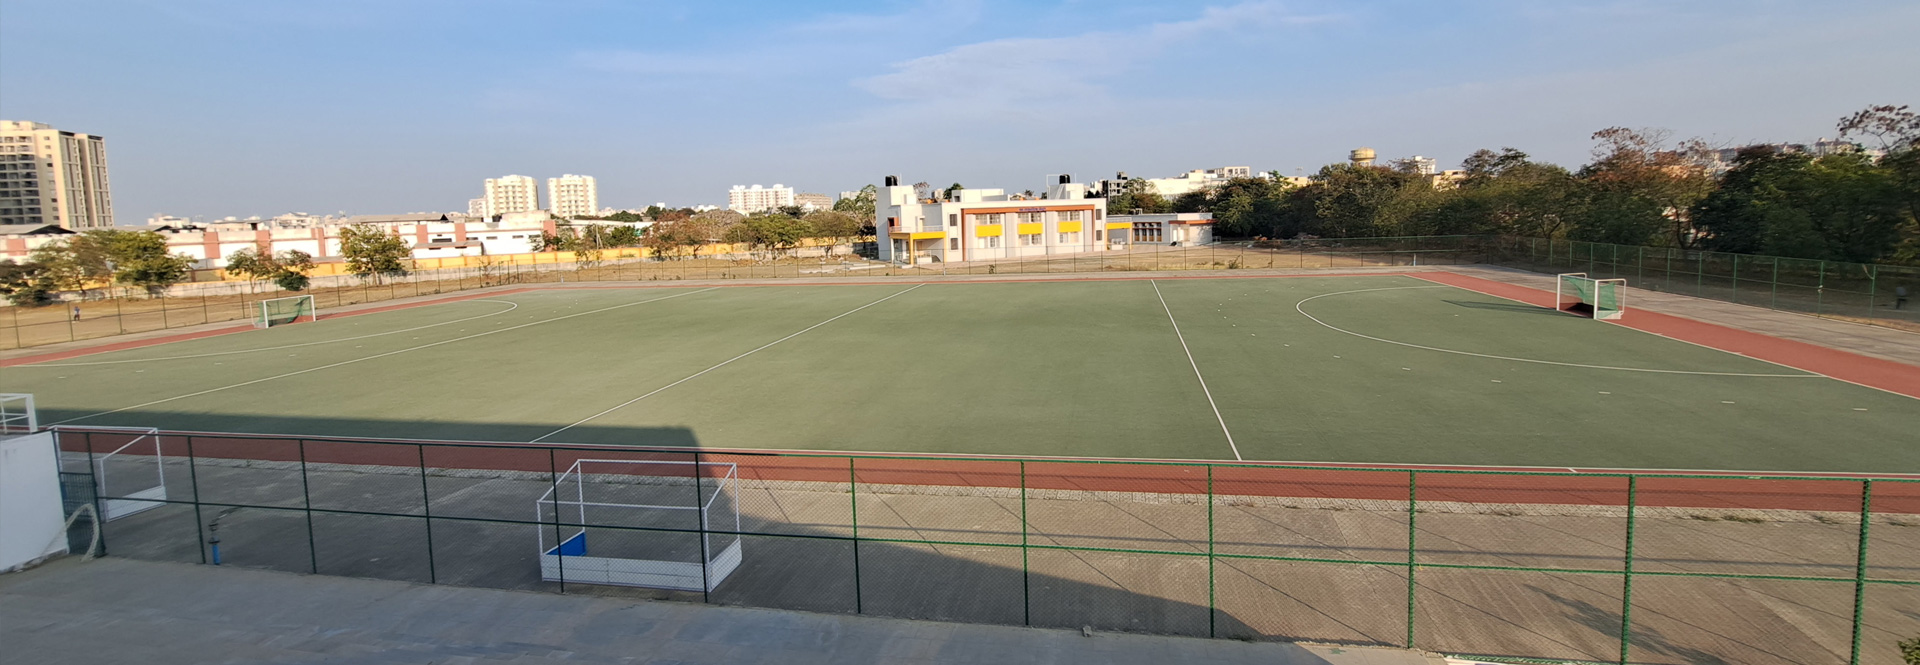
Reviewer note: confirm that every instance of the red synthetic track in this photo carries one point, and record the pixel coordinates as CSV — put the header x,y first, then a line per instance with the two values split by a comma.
x,y
1886,375
1821,492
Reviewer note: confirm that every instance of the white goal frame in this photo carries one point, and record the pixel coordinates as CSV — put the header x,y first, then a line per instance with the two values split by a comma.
x,y
129,459
17,416
260,318
1563,300
567,559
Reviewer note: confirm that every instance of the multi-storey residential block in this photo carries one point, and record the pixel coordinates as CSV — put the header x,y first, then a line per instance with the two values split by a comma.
x,y
513,193
810,201
51,176
572,196
748,200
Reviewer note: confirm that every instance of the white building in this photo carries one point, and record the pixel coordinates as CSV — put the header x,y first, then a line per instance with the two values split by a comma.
x,y
748,200
985,224
477,207
572,196
1178,228
1191,181
50,176
513,193
810,202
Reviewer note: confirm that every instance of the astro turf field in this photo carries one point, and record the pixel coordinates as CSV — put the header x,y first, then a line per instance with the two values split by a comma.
x,y
1374,369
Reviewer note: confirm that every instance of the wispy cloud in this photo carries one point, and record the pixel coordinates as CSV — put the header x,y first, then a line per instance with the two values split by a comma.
x,y
1049,68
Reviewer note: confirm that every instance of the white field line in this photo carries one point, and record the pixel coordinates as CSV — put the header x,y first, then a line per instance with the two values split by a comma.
x,y
377,355
511,306
723,363
1196,371
1298,307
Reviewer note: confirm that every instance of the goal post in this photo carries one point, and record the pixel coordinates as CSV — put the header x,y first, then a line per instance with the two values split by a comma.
x,y
1600,299
282,311
663,524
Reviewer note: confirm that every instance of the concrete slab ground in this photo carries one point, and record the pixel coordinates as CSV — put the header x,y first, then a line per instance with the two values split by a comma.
x,y
117,610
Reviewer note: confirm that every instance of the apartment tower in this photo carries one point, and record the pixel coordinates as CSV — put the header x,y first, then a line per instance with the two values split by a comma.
x,y
573,196
513,193
50,176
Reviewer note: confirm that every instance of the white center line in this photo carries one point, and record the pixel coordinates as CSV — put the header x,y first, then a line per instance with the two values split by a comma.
x,y
723,363
378,355
1196,371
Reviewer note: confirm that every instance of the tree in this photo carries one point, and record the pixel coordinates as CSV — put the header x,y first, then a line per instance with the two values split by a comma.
x,y
25,284
1507,193
1894,128
372,252
774,233
294,266
76,263
838,227
1138,194
1641,184
102,256
860,205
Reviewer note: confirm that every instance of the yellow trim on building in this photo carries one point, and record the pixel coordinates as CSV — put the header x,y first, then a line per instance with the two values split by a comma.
x,y
987,230
929,235
1068,227
1119,225
1030,229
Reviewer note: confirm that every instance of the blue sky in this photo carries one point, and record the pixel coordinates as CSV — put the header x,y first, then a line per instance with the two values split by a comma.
x,y
216,107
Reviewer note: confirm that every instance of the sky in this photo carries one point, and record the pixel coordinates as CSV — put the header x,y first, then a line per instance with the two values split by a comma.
x,y
260,107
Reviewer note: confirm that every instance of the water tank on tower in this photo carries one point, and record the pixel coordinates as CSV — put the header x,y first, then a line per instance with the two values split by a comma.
x,y
1361,156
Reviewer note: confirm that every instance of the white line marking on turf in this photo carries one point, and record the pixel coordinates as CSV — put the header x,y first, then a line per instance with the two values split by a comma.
x,y
513,306
1298,307
377,355
1196,371
724,363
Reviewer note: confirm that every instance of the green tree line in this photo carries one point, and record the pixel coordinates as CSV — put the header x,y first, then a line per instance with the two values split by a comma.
x,y
1639,189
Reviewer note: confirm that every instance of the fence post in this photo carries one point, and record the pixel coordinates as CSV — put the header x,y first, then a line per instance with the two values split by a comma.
x,y
853,497
199,523
553,481
306,496
1735,299
93,478
1211,602
1774,301
1626,585
1026,582
1412,509
426,508
700,515
1873,288
1820,292
1860,567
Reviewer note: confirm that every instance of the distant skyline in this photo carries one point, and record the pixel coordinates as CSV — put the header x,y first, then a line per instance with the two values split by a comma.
x,y
233,107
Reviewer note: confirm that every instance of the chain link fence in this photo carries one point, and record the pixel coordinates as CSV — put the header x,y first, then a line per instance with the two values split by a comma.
x,y
1518,565
1880,294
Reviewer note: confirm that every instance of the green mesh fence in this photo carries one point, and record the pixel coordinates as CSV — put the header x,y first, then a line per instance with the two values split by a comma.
x,y
1522,566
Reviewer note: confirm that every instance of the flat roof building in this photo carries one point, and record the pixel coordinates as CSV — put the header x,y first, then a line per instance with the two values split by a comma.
x,y
985,224
571,196
512,193
748,200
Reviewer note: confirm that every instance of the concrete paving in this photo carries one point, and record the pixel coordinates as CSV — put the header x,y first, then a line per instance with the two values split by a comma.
x,y
117,610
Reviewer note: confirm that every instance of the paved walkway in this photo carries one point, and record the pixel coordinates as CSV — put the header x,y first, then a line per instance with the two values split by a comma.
x,y
116,610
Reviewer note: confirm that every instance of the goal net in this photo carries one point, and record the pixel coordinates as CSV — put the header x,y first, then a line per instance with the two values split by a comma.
x,y
282,311
663,524
1601,299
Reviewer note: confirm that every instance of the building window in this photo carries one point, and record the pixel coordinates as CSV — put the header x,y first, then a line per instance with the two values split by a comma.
x,y
1029,239
1070,238
953,219
989,242
1030,217
1147,232
1070,215
988,218
953,243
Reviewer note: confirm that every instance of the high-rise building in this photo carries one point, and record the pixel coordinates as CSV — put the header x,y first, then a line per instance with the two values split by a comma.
x,y
748,200
50,176
573,196
513,193
477,207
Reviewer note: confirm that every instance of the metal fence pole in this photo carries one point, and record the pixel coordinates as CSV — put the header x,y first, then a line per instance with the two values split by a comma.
x,y
853,496
1860,567
1412,509
93,478
553,480
426,508
1626,584
199,523
700,513
1026,581
1873,288
306,496
1212,604
1820,292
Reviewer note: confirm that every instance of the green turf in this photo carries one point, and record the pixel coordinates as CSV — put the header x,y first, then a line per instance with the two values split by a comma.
x,y
1037,368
